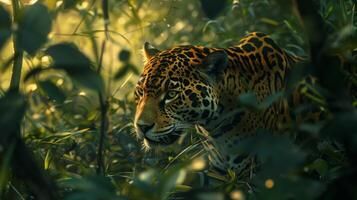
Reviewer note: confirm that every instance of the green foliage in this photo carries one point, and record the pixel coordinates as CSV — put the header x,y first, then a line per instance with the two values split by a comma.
x,y
212,8
35,23
90,188
124,55
52,91
5,25
76,96
68,4
68,58
12,108
249,100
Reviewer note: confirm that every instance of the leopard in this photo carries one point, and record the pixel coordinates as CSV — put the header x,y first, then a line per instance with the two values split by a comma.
x,y
196,86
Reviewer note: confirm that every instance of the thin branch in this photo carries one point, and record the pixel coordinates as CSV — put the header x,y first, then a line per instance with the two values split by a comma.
x,y
99,69
103,131
83,18
18,53
105,16
103,117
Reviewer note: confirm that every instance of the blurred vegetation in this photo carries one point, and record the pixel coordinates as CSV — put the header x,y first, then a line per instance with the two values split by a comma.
x,y
67,71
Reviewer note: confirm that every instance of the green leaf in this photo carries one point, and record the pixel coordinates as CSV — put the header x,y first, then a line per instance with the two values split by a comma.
x,y
345,40
52,91
34,26
212,8
269,21
320,166
33,72
134,70
90,188
68,4
47,161
270,100
124,55
5,167
122,71
343,127
331,151
248,100
12,110
7,64
288,188
174,176
5,26
311,128
67,57
297,73
278,154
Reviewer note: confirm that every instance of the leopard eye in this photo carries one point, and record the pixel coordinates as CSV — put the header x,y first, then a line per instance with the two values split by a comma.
x,y
171,94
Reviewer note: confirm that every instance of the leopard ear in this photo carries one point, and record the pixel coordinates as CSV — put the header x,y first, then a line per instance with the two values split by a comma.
x,y
149,51
215,62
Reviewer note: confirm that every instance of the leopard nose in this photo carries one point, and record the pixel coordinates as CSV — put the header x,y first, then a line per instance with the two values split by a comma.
x,y
145,127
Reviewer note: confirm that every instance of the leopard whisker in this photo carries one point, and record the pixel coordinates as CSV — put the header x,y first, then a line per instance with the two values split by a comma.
x,y
166,129
183,126
145,147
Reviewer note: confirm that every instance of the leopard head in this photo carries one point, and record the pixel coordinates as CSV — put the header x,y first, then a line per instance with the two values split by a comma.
x,y
177,90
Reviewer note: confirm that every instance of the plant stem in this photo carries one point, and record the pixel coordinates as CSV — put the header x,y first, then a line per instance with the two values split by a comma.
x,y
103,131
18,53
103,117
16,69
105,16
99,69
104,104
